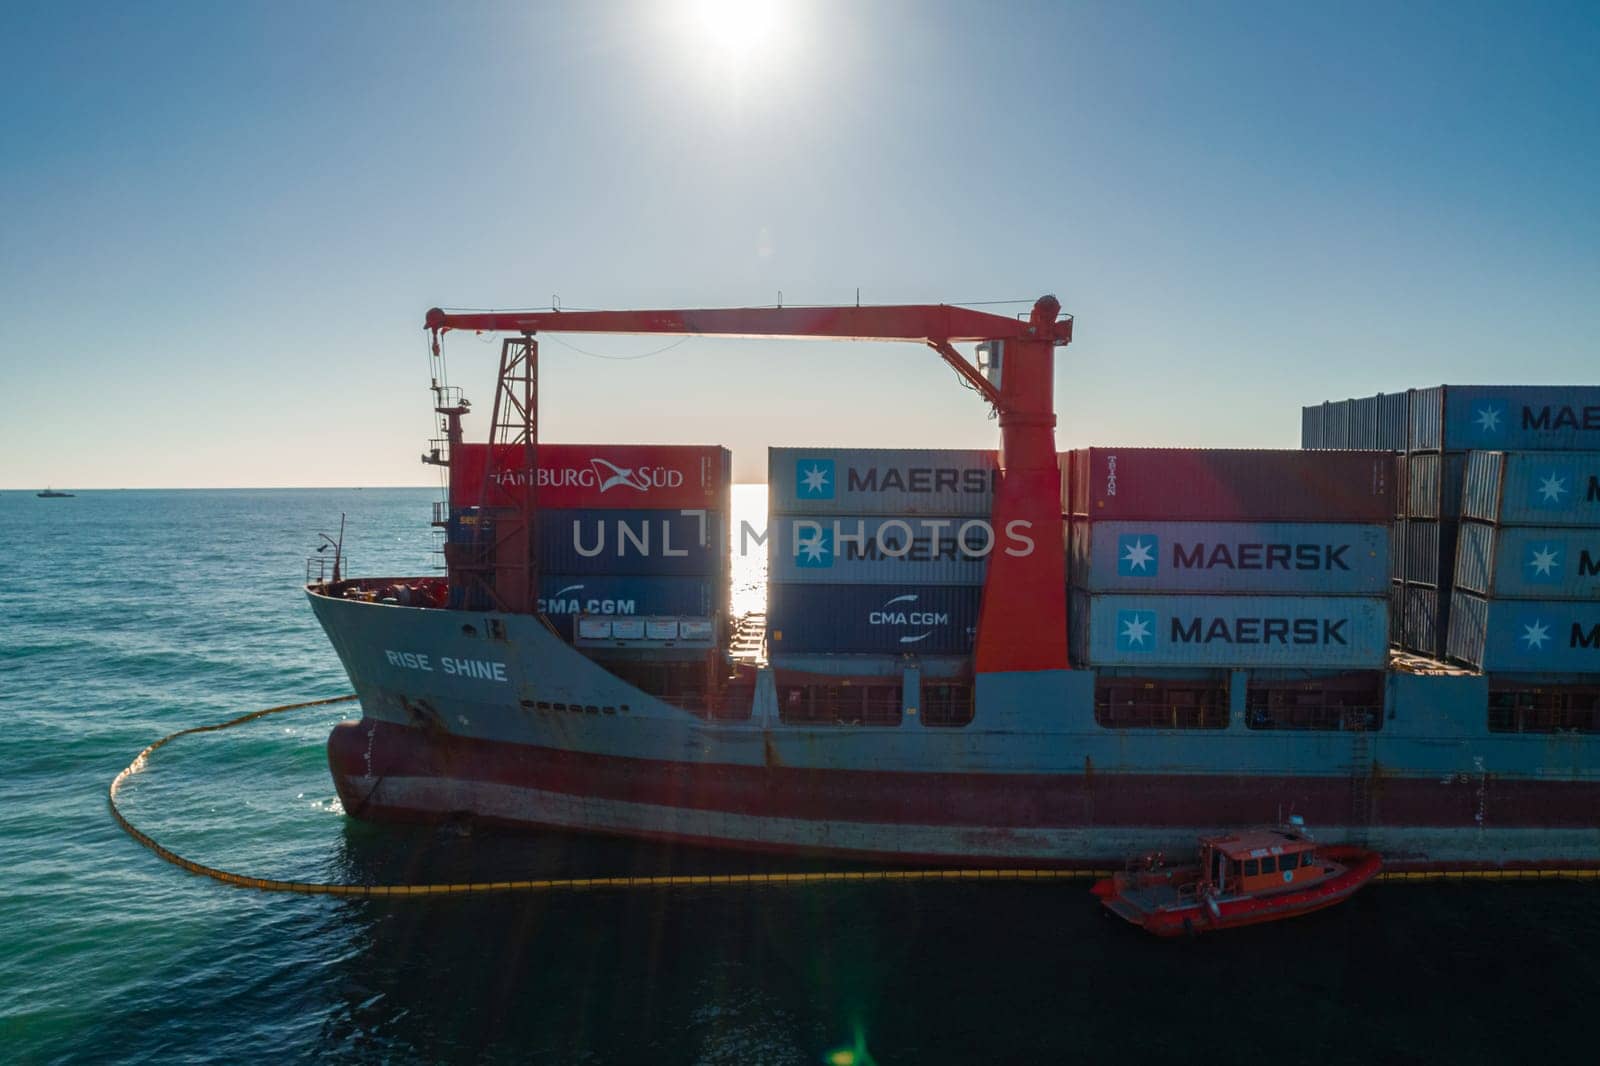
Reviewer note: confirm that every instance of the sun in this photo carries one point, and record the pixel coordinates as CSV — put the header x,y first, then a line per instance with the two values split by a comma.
x,y
738,29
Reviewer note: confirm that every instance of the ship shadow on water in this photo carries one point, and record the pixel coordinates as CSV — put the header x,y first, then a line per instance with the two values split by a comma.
x,y
998,972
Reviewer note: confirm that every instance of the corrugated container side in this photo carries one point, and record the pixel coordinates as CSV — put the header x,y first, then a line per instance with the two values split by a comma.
x,y
1433,485
1314,558
1475,558
875,550
562,597
1469,620
1480,485
1402,484
594,476
1397,606
1540,489
661,543
1427,419
1529,562
1394,421
1311,427
1336,424
881,481
1430,552
871,619
1397,549
1426,620
1527,417
1364,422
1161,630
1218,484
1527,636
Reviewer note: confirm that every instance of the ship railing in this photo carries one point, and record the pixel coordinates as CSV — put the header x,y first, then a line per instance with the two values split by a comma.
x,y
448,397
441,512
319,568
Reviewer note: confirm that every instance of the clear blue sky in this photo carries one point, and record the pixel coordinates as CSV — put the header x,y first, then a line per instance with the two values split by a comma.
x,y
223,222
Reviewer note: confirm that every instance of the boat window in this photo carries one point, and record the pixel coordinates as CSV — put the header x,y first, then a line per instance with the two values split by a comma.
x,y
1308,858
1251,867
1546,709
1160,703
1269,865
1347,702
947,703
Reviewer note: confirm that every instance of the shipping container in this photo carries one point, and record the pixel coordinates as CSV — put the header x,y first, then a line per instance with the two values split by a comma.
x,y
563,597
1430,552
1394,421
881,481
1425,620
1318,558
1364,423
1402,484
1311,426
871,550
1528,562
657,543
1323,632
626,476
1533,488
1453,418
1397,550
1336,424
1397,613
804,619
1526,636
1433,485
1232,485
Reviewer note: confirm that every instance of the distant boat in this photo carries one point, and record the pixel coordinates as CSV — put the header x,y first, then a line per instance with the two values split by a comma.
x,y
52,494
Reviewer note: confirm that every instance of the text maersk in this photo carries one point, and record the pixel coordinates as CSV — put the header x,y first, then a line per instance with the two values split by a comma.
x,y
1197,629
920,479
1553,417
1200,556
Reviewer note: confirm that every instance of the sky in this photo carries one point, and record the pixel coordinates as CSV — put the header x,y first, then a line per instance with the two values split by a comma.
x,y
223,223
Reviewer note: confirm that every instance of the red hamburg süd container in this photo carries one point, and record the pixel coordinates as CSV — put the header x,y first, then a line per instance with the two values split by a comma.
x,y
1220,484
620,476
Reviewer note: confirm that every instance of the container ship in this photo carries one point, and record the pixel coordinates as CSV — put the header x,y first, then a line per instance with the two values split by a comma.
x,y
999,656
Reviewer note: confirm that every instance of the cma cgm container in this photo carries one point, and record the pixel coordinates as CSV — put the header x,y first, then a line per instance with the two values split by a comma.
x,y
629,476
658,543
1215,484
1318,558
881,481
1526,636
1533,488
1528,562
1452,418
562,597
805,619
1315,632
916,550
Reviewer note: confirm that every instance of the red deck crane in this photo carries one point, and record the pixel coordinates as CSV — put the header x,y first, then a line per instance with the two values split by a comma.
x,y
1022,624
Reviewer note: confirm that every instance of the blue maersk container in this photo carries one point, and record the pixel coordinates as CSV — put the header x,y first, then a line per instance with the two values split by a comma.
x,y
1529,562
1454,418
806,619
1319,558
1533,488
1526,636
1312,632
859,550
659,543
881,481
562,597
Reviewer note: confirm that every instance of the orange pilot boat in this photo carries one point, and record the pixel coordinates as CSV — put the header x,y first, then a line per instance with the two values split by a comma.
x,y
1256,875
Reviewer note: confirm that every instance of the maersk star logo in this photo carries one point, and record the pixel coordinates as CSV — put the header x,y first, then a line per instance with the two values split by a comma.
x,y
1535,634
813,479
1489,418
1136,630
1137,555
813,548
1551,488
1544,562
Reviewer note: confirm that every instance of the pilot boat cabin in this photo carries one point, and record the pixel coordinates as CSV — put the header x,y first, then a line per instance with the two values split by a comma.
x,y
1260,860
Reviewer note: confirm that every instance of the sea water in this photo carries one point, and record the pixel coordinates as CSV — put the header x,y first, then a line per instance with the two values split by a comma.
x,y
127,615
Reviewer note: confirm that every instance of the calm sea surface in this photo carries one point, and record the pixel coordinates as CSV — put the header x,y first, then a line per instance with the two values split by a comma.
x,y
130,614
